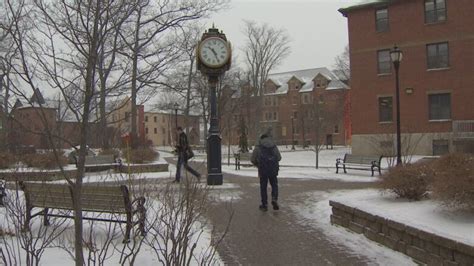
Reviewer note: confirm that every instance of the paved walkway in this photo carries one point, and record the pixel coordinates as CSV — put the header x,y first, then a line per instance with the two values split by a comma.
x,y
276,237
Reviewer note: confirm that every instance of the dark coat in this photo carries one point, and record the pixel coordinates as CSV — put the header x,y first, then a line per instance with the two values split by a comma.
x,y
265,142
182,143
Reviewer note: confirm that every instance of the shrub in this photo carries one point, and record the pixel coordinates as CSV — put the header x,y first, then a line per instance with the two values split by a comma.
x,y
454,180
44,160
6,160
140,155
409,181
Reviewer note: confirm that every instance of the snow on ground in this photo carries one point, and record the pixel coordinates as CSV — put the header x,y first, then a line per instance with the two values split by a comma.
x,y
56,254
316,212
427,215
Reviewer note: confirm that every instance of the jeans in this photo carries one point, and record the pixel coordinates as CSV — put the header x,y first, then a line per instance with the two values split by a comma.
x,y
263,188
183,161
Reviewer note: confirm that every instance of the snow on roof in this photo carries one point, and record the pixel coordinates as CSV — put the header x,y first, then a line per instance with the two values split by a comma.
x,y
363,4
306,76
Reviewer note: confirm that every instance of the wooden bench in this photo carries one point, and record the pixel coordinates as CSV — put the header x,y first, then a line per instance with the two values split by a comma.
x,y
100,199
359,162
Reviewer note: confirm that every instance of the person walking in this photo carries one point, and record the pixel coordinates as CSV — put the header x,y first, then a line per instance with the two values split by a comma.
x,y
183,149
266,157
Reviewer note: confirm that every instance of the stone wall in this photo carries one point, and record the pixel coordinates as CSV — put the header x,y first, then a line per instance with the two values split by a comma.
x,y
422,246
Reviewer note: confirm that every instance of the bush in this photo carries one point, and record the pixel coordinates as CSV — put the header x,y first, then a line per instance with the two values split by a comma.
x,y
409,181
454,180
6,160
140,155
44,160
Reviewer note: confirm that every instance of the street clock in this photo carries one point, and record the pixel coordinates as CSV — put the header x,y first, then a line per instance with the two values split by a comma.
x,y
214,53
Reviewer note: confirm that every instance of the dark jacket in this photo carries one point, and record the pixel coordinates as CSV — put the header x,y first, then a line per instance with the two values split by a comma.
x,y
265,142
182,143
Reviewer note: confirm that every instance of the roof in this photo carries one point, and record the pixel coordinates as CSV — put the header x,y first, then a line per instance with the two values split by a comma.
x,y
306,76
364,4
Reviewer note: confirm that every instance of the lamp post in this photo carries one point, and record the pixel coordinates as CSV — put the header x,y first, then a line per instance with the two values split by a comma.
x,y
292,133
396,56
176,107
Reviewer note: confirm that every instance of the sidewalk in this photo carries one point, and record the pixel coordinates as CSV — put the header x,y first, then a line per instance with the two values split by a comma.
x,y
277,237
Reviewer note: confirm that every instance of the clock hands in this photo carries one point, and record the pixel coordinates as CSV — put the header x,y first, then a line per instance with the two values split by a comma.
x,y
214,52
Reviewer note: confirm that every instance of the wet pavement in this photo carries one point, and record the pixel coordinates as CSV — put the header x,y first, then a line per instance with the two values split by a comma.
x,y
275,237
278,237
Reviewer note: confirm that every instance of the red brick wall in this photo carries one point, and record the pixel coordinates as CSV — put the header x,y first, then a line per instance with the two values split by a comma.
x,y
409,32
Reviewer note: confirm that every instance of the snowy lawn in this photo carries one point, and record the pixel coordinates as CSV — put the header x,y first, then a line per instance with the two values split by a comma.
x,y
105,239
427,215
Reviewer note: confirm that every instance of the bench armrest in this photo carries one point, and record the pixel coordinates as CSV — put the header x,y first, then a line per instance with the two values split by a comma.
x,y
339,160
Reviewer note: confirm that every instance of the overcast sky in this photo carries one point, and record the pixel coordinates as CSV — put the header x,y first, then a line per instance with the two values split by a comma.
x,y
317,30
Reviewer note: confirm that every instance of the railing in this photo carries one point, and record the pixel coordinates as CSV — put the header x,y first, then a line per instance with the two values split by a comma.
x,y
463,129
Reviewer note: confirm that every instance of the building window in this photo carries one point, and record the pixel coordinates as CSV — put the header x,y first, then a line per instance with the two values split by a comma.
x,y
440,106
295,114
295,100
384,64
268,101
385,109
437,55
306,98
155,130
146,118
163,119
381,20
274,101
275,116
440,147
336,129
146,130
435,11
155,119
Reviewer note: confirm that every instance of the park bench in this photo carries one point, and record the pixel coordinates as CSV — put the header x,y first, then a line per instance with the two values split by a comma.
x,y
359,162
113,200
94,163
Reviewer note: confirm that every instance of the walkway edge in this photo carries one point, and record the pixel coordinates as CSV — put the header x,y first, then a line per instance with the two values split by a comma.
x,y
422,246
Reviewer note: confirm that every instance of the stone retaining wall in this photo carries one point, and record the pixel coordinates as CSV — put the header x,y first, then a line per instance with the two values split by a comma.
x,y
422,246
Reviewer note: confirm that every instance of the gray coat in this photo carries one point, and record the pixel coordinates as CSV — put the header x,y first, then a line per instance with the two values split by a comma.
x,y
265,142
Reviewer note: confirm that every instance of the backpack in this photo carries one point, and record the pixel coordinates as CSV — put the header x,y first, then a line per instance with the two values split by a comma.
x,y
267,162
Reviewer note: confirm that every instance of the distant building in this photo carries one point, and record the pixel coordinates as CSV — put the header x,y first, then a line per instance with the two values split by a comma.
x,y
300,106
160,128
121,119
36,122
436,75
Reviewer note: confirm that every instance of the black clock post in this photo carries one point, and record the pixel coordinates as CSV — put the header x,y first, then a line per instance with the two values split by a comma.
x,y
213,62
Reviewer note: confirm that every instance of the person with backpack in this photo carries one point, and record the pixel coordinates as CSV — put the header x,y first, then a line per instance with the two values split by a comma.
x,y
266,157
183,150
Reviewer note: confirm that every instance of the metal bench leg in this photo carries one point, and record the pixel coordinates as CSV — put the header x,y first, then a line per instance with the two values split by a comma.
x,y
142,217
344,167
128,228
372,169
26,226
337,168
45,217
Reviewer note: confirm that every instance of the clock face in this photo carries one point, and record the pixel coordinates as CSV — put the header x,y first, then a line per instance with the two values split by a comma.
x,y
214,52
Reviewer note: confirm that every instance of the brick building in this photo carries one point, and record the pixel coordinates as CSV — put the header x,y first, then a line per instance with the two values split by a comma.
x,y
292,104
121,120
31,123
436,75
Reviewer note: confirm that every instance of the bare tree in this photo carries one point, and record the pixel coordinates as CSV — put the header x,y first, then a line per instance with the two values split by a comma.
x,y
151,48
342,65
266,47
